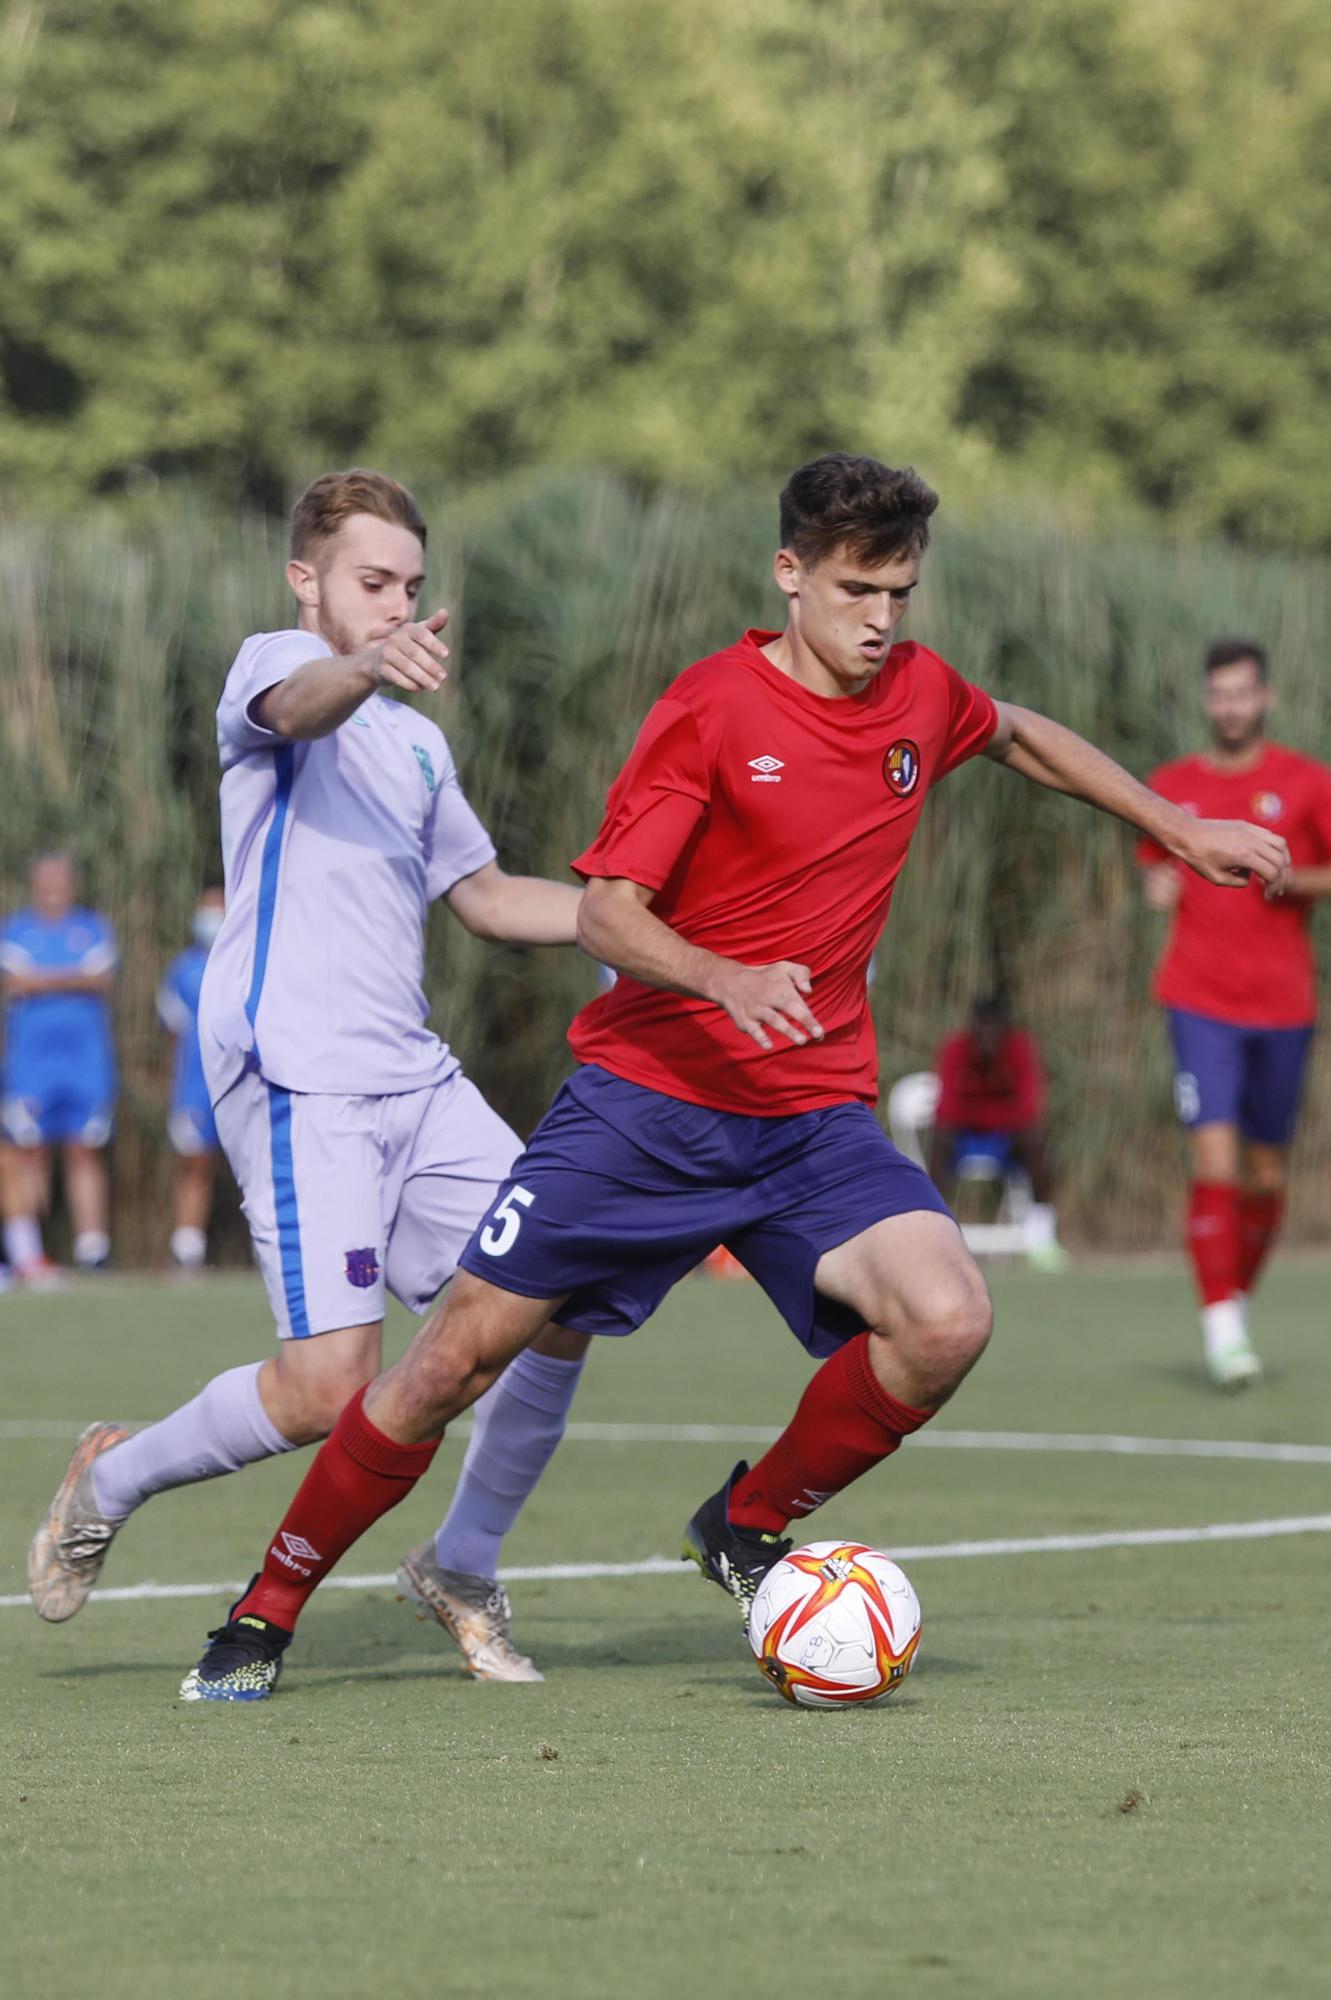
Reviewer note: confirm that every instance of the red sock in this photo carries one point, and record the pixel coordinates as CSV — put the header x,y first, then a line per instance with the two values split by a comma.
x,y
844,1424
357,1475
1213,1239
1260,1217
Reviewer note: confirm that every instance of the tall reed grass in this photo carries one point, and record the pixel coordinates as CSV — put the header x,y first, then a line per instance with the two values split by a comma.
x,y
576,601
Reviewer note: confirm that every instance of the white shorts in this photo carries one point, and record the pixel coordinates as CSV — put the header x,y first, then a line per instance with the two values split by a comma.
x,y
345,1196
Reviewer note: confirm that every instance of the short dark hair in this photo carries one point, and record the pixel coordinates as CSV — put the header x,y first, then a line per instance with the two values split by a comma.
x,y
330,501
1229,652
841,501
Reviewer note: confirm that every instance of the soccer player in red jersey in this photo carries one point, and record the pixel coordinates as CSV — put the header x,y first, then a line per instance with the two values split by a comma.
x,y
725,1089
991,1100
1238,982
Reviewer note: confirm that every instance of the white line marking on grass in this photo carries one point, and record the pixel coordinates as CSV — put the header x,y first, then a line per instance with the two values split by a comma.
x,y
1022,1545
1128,1447
18,1429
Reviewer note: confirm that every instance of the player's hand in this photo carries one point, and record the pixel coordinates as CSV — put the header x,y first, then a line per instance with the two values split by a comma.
x,y
414,656
759,997
1230,851
1162,885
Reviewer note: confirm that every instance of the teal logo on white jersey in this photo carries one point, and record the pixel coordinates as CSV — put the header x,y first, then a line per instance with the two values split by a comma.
x,y
427,768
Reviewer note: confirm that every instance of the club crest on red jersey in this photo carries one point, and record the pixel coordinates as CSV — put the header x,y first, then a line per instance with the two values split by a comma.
x,y
1267,805
901,767
362,1268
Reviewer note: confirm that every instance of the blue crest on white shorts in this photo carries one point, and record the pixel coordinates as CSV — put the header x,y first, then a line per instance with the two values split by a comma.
x,y
362,1268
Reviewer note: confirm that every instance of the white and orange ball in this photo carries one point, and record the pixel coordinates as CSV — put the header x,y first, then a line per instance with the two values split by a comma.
x,y
835,1623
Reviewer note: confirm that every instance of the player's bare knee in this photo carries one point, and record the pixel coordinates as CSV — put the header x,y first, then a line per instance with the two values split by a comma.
x,y
323,1398
947,1338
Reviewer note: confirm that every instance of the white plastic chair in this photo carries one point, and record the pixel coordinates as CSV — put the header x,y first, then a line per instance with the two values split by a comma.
x,y
912,1106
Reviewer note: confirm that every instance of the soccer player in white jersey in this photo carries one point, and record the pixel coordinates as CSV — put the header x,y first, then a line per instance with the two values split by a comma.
x,y
365,1156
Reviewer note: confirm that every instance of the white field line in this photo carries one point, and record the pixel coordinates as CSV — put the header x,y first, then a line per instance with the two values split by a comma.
x,y
1027,1545
19,1429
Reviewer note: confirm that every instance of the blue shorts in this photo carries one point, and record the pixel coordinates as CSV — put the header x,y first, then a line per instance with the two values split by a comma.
x,y
191,1127
45,1111
1248,1077
623,1191
994,1147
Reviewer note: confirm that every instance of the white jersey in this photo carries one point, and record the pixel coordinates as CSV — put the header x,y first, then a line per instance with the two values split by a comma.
x,y
333,850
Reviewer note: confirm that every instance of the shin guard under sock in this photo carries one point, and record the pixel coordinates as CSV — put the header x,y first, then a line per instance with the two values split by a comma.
x,y
357,1475
845,1423
1260,1217
1213,1239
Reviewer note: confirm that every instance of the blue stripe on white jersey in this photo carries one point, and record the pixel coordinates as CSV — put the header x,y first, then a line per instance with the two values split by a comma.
x,y
284,765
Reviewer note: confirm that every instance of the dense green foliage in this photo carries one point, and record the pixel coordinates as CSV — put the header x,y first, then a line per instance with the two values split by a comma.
x,y
1079,248
576,600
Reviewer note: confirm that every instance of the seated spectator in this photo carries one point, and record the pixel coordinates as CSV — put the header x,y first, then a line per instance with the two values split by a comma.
x,y
991,1106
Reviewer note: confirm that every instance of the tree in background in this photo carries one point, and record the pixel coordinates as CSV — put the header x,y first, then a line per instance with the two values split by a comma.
x,y
1077,250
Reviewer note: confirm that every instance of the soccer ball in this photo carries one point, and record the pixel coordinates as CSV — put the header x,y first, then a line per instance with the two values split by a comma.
x,y
835,1623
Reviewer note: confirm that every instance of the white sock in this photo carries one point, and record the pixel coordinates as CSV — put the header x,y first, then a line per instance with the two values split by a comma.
x,y
226,1426
91,1247
1223,1329
189,1246
1041,1226
23,1241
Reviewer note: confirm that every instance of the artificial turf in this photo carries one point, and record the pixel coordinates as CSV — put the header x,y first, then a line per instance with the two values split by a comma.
x,y
1108,1775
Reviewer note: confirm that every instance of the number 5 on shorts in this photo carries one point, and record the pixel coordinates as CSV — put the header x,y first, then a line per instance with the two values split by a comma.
x,y
498,1242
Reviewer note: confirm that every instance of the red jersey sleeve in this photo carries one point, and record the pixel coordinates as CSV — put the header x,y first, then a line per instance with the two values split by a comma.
x,y
971,721
655,803
1319,819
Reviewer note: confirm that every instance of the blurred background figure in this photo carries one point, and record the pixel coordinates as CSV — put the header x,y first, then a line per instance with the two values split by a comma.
x,y
1237,979
57,966
991,1113
190,1121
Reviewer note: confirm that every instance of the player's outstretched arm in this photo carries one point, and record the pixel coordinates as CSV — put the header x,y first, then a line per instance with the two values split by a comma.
x,y
1224,851
515,909
317,698
616,926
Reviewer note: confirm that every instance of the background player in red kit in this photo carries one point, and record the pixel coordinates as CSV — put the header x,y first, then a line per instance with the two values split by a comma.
x,y
739,884
1238,981
991,1097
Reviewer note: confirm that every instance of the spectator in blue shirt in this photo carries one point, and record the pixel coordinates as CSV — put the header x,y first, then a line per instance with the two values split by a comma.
x,y
57,967
190,1124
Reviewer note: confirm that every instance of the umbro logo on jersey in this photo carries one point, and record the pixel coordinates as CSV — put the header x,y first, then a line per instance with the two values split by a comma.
x,y
766,770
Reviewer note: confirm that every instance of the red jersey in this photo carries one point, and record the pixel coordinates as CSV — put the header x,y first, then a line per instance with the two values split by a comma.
x,y
772,822
1230,954
1005,1095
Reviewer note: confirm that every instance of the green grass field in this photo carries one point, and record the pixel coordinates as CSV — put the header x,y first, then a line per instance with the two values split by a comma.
x,y
1108,1775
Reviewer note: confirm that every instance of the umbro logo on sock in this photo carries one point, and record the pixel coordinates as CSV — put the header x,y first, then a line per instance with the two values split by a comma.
x,y
296,1546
